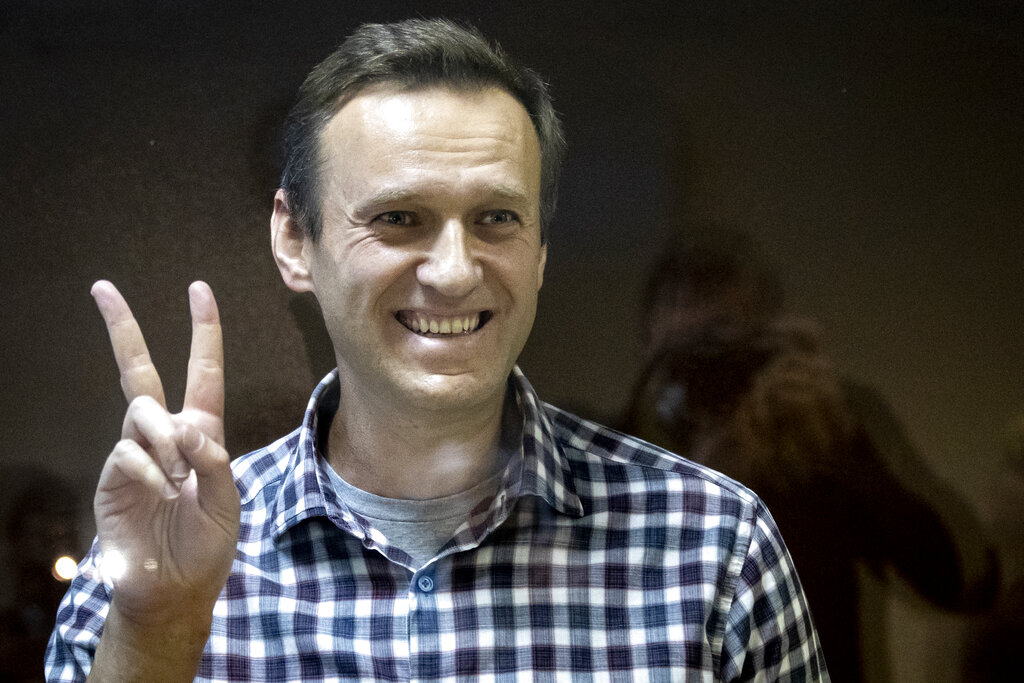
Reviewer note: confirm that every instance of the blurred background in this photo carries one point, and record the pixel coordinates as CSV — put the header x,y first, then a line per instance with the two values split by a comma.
x,y
872,154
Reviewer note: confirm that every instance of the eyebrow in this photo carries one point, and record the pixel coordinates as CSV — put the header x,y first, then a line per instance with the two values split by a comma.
x,y
509,192
390,196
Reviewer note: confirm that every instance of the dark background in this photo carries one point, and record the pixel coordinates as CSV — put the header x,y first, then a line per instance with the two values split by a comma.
x,y
874,153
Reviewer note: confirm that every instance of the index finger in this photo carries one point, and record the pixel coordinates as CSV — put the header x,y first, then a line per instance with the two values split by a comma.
x,y
138,374
204,389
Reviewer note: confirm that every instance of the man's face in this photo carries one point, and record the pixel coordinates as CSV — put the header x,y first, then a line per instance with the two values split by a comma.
x,y
430,259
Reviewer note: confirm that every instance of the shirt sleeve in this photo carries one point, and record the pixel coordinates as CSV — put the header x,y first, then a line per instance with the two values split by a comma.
x,y
80,617
769,634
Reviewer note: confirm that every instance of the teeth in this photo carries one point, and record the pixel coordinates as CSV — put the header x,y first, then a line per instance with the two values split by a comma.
x,y
418,323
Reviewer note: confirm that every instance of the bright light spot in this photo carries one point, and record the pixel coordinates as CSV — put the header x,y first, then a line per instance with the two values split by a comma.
x,y
397,114
112,565
65,568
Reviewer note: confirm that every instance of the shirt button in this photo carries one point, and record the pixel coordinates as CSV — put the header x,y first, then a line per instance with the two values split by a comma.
x,y
425,583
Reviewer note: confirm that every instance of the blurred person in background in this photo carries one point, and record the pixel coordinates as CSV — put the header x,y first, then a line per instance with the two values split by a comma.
x,y
735,382
994,638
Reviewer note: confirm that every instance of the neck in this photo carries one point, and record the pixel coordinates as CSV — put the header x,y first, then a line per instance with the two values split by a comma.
x,y
414,455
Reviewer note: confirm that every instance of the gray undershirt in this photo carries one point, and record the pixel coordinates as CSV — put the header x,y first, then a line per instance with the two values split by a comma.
x,y
422,527
419,527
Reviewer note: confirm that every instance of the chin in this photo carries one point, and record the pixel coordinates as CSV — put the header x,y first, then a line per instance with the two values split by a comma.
x,y
457,392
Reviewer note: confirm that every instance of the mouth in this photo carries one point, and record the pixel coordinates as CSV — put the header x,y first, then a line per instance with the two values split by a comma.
x,y
428,325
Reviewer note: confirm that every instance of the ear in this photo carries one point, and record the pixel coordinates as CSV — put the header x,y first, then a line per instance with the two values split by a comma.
x,y
540,265
287,239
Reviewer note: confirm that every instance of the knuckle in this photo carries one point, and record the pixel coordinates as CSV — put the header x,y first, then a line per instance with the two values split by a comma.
x,y
137,361
141,403
148,417
218,454
124,448
205,365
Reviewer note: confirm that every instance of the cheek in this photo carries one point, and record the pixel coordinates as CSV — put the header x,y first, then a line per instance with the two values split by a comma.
x,y
365,274
530,275
519,264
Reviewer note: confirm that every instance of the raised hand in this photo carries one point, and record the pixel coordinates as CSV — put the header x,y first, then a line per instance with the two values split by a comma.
x,y
167,510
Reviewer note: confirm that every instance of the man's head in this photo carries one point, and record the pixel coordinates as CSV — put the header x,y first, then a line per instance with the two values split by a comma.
x,y
406,56
429,254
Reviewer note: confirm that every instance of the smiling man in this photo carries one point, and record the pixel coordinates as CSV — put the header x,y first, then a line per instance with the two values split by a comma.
x,y
431,518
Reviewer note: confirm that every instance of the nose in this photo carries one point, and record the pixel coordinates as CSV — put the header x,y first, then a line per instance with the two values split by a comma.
x,y
450,267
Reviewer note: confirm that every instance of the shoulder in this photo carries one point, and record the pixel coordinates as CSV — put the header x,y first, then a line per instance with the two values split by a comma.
x,y
608,464
608,447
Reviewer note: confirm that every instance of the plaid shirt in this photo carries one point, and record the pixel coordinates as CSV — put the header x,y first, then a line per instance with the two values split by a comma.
x,y
601,558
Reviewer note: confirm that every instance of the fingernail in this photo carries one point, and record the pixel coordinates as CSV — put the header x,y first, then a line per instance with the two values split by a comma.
x,y
171,491
96,291
180,472
192,439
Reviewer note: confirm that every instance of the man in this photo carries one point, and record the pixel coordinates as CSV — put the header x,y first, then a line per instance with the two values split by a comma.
x,y
431,518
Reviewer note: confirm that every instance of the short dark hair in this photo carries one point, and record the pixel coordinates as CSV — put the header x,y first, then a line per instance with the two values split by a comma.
x,y
409,55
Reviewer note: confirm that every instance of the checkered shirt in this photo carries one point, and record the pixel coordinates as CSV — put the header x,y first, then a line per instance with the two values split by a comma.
x,y
602,558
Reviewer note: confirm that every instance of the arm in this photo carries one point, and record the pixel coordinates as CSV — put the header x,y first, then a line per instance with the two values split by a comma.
x,y
167,510
923,527
769,633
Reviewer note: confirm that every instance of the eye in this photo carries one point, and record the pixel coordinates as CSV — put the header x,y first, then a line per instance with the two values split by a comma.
x,y
401,218
500,217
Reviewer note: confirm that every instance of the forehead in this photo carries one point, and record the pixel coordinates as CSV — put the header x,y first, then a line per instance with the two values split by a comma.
x,y
392,103
384,129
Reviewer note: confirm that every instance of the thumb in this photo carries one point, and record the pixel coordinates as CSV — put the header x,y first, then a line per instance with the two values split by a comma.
x,y
216,490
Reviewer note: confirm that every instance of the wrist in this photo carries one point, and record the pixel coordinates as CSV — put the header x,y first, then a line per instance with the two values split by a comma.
x,y
154,648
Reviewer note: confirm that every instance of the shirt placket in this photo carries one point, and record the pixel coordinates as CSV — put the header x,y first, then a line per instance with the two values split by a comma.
x,y
426,649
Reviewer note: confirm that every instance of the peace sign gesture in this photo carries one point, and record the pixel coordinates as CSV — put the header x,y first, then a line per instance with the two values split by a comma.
x,y
167,509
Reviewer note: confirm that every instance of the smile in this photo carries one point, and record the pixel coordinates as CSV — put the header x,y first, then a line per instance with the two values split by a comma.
x,y
425,324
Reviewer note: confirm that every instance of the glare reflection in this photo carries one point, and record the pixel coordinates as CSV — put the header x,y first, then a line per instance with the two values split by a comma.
x,y
112,565
65,568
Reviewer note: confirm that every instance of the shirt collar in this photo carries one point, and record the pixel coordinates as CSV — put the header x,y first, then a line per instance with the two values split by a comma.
x,y
545,469
540,468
